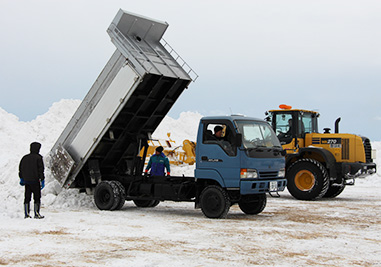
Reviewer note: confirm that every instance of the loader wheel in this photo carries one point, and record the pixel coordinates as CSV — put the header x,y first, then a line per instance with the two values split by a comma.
x,y
334,191
253,204
122,195
146,203
214,202
106,195
307,179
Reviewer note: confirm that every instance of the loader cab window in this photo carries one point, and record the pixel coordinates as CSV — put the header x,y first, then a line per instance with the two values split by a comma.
x,y
220,134
307,123
284,128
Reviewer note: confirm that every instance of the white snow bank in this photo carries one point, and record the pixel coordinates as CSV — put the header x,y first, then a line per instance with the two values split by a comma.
x,y
16,137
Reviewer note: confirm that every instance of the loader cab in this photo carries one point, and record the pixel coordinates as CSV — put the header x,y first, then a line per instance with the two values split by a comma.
x,y
292,125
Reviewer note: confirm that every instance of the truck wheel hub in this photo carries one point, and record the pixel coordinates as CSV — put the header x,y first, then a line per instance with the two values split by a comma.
x,y
304,180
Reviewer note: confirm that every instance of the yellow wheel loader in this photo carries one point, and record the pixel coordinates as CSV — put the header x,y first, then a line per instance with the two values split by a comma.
x,y
177,155
319,164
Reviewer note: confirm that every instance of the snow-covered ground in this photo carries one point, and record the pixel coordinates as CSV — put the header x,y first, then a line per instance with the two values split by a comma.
x,y
345,231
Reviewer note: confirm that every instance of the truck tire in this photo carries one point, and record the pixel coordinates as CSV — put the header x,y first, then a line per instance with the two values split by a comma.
x,y
146,203
122,195
154,203
106,195
334,191
214,202
307,179
253,204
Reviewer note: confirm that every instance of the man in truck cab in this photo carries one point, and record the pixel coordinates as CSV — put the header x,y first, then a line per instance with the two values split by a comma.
x,y
218,133
157,163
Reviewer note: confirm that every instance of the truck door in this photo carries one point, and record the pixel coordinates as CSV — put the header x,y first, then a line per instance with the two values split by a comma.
x,y
218,155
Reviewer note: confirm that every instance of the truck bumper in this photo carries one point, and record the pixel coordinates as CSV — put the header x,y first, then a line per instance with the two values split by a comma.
x,y
358,169
250,187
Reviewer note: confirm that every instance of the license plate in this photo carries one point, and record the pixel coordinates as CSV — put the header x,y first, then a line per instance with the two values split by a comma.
x,y
273,186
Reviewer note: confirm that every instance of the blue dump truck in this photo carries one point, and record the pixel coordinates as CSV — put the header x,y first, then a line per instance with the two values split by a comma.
x,y
99,150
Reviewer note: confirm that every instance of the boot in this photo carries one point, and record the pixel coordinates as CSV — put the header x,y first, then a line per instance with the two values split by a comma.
x,y
27,210
37,214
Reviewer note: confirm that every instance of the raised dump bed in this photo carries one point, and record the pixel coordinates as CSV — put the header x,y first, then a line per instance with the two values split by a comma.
x,y
134,92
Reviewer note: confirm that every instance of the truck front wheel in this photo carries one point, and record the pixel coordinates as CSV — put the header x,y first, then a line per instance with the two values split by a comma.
x,y
214,202
307,179
253,204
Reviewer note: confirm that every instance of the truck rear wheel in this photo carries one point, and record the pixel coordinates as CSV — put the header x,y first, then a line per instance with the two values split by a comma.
x,y
307,179
334,190
107,195
214,202
253,204
122,195
146,203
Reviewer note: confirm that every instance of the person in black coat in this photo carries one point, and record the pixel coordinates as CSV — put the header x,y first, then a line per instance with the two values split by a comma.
x,y
31,173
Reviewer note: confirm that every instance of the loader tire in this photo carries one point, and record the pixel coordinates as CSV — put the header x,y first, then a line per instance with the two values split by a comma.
x,y
122,195
307,179
146,203
334,191
106,195
253,204
214,202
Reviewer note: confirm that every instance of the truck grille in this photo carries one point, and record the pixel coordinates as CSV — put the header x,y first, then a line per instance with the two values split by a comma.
x,y
345,148
368,149
268,174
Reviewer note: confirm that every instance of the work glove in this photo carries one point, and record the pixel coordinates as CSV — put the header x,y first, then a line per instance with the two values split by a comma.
x,y
22,182
42,184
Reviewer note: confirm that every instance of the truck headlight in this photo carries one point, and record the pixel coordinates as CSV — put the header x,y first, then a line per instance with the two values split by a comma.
x,y
249,174
282,172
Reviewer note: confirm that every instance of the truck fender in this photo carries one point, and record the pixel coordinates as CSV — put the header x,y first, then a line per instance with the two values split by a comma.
x,y
329,159
210,174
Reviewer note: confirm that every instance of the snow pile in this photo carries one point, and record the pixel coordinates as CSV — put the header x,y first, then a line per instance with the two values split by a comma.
x,y
16,137
183,128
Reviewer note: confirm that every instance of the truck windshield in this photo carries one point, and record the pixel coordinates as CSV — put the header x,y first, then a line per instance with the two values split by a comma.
x,y
257,135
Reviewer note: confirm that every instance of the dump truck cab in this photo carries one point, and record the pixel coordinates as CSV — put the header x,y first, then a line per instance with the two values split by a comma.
x,y
319,164
239,166
246,157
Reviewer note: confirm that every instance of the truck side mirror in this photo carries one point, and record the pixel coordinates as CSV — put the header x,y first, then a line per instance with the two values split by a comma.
x,y
238,140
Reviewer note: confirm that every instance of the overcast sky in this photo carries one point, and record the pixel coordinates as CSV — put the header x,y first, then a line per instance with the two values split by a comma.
x,y
251,56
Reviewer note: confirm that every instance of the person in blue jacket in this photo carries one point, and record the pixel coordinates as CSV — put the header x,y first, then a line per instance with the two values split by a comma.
x,y
157,163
